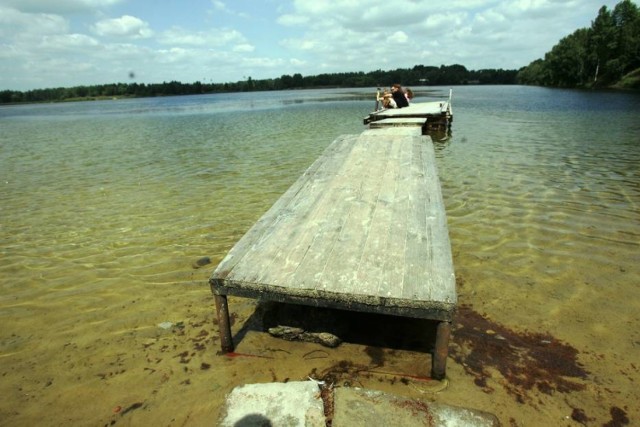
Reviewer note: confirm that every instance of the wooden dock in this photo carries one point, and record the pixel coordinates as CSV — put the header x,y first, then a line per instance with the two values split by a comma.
x,y
363,229
429,116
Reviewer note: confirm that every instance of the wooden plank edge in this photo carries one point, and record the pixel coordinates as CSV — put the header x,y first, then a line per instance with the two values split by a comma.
x,y
432,310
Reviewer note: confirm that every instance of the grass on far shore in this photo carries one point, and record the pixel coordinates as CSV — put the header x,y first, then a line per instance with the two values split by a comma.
x,y
629,81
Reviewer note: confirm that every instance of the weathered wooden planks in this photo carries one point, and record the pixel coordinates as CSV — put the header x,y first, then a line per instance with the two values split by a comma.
x,y
430,116
364,228
398,122
418,109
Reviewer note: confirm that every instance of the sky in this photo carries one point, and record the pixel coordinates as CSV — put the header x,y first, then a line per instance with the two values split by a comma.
x,y
64,43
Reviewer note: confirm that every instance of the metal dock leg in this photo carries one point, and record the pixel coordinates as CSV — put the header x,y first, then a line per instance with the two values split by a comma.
x,y
439,360
224,325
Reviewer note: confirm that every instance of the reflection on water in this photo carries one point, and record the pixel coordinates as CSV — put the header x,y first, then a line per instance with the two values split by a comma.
x,y
105,207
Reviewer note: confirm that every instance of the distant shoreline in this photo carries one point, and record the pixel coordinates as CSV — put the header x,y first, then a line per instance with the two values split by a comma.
x,y
628,84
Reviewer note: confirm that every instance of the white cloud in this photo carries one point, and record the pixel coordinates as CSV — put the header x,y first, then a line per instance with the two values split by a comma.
x,y
261,62
398,37
519,7
219,5
68,41
477,33
301,44
177,36
14,23
244,48
362,16
222,7
292,20
126,51
58,6
444,22
490,19
175,54
182,37
125,26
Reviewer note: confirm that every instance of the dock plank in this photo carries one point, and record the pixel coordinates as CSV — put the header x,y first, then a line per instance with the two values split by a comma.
x,y
342,265
273,230
393,273
421,109
321,229
399,122
375,252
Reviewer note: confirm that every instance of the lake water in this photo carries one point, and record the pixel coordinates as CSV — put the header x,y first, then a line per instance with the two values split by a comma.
x,y
106,208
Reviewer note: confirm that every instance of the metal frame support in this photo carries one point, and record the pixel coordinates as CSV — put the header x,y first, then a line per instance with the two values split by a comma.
x,y
224,324
441,351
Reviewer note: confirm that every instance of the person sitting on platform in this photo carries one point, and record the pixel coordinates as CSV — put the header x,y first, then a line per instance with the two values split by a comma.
x,y
387,100
409,94
398,96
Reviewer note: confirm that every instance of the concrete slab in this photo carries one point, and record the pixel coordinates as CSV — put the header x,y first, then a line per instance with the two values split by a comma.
x,y
275,404
299,403
359,407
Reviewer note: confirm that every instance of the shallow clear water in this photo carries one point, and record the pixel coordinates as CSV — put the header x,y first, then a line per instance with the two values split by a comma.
x,y
106,206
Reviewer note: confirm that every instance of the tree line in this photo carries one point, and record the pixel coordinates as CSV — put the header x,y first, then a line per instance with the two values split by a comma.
x,y
602,55
419,75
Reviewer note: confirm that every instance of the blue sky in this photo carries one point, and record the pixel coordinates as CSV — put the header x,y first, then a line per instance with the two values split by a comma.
x,y
51,43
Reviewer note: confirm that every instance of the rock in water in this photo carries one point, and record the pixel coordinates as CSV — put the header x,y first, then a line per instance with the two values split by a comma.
x,y
201,262
327,339
298,334
286,332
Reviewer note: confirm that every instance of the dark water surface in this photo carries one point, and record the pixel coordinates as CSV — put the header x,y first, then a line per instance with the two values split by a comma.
x,y
106,206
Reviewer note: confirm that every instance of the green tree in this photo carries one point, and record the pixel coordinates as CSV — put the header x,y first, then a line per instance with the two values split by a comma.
x,y
297,81
596,56
566,61
602,41
626,17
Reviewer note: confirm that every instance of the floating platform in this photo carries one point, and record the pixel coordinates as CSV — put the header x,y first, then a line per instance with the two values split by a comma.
x,y
428,116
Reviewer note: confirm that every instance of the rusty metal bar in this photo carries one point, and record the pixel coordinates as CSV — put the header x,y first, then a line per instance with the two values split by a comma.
x,y
224,324
441,351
